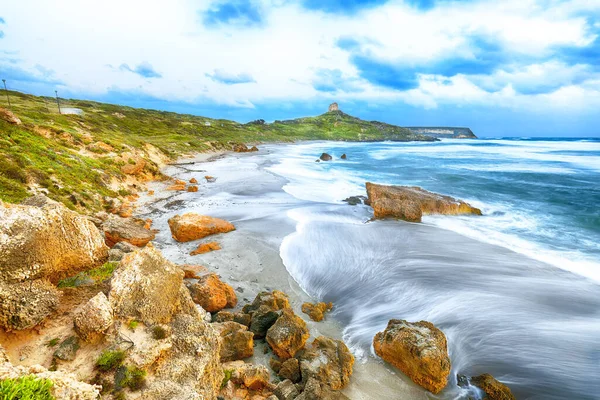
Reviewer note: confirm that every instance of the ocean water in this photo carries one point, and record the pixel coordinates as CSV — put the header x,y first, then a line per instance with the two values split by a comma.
x,y
516,291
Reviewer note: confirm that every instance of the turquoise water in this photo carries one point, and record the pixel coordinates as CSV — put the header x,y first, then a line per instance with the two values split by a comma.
x,y
516,291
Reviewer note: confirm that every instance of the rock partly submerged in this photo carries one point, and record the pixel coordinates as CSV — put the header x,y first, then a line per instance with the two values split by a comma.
x,y
419,350
493,389
410,203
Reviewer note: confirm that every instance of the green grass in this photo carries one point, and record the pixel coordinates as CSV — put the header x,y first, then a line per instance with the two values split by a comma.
x,y
93,276
110,360
227,377
26,388
135,378
133,324
53,342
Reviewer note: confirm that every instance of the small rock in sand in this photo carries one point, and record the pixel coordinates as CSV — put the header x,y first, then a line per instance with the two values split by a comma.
x,y
205,248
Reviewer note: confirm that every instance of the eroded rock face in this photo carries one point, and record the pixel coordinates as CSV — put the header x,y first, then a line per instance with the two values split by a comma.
x,y
418,349
328,361
47,240
410,203
146,287
287,335
238,342
213,294
494,389
23,305
316,311
190,226
93,319
129,230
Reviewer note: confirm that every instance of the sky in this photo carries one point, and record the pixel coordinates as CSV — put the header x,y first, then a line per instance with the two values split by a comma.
x,y
502,68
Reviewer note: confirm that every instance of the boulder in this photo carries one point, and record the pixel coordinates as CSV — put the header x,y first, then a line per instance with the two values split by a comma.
x,y
287,335
205,248
130,230
239,317
67,349
418,349
238,342
190,226
253,148
212,294
24,305
177,187
47,240
193,271
286,390
263,319
210,179
325,157
344,157
192,188
134,164
125,247
316,311
264,311
315,390
9,117
242,148
147,287
410,203
252,376
93,319
290,369
193,180
328,361
494,389
275,300
355,200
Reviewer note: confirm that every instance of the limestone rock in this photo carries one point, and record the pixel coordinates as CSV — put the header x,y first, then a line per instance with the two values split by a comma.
x,y
193,271
190,226
287,335
410,203
130,230
125,247
494,389
93,319
192,188
9,117
290,369
264,311
146,287
262,320
23,305
333,107
238,342
418,349
327,360
47,241
325,157
286,390
193,180
213,294
315,390
67,349
316,311
239,317
205,248
252,376
275,300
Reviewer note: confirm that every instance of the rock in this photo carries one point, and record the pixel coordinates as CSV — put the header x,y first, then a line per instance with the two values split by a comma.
x,y
149,351
317,160
147,287
242,148
125,247
290,369
252,376
190,226
47,241
94,319
315,390
210,179
193,180
462,381
316,311
177,187
193,361
410,203
262,319
24,305
355,200
275,300
333,107
343,156
130,230
253,148
115,255
9,117
325,157
327,360
238,343
212,294
286,390
134,166
264,311
494,389
167,390
67,349
418,349
205,248
193,271
192,188
287,335
239,317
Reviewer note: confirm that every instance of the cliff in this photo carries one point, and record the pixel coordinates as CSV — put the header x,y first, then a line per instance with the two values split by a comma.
x,y
443,132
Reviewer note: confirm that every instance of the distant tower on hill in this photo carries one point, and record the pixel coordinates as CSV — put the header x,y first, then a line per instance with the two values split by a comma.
x,y
333,107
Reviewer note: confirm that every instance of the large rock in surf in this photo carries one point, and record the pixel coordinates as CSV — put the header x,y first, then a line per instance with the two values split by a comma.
x,y
328,361
494,389
213,294
418,349
191,226
129,230
410,203
23,305
287,335
325,157
43,239
93,319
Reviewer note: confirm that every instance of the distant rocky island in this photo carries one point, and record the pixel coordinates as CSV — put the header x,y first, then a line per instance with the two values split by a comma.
x,y
443,132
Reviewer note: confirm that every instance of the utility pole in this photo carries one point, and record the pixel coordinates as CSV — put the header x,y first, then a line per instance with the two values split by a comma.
x,y
6,90
57,101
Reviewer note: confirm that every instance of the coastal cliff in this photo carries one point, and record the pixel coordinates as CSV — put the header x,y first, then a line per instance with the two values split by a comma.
x,y
443,132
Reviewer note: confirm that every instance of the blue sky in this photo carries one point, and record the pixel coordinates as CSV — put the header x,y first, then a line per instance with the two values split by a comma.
x,y
503,68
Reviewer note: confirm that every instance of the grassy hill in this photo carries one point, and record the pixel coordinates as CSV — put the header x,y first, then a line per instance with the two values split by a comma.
x,y
81,160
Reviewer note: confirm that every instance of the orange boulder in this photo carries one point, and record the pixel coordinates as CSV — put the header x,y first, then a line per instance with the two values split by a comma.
x,y
205,248
191,226
213,294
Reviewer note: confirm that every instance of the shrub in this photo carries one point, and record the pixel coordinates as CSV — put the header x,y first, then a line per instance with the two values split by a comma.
x,y
26,388
133,324
159,332
53,342
135,378
110,360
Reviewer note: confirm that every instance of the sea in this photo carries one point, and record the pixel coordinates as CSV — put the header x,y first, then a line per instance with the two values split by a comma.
x,y
516,290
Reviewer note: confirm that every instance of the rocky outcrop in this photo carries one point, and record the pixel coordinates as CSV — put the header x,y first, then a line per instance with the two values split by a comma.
x,y
130,230
190,226
316,311
9,117
213,294
418,349
252,376
315,390
147,287
264,311
242,148
287,335
328,361
93,319
333,107
290,369
46,240
239,317
493,389
23,305
410,203
325,157
238,342
205,248
286,390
